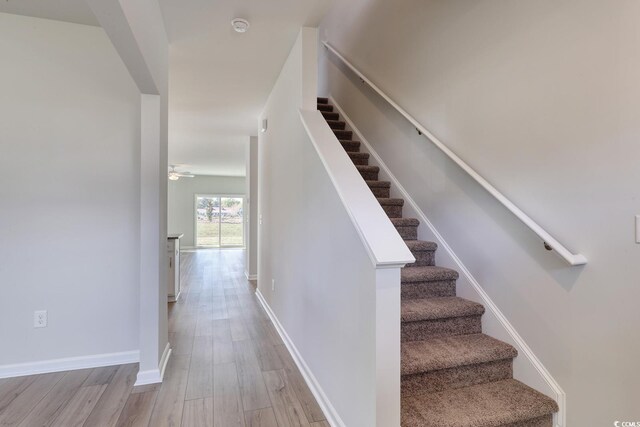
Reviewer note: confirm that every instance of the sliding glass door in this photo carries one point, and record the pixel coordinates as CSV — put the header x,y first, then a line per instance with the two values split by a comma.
x,y
231,221
208,221
219,221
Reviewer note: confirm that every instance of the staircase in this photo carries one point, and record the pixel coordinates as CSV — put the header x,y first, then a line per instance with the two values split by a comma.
x,y
452,374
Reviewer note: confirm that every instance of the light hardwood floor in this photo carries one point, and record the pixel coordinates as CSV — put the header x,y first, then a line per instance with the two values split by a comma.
x,y
228,368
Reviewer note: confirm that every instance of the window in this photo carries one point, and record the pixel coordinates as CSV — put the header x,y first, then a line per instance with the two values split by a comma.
x,y
219,221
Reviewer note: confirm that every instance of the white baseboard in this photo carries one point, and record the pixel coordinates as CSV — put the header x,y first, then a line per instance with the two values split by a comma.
x,y
327,408
69,364
250,276
532,371
154,376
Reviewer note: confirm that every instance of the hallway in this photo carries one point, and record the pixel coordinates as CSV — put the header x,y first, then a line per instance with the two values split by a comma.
x,y
228,359
228,367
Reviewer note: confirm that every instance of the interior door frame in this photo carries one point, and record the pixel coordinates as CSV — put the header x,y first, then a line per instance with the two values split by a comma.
x,y
195,220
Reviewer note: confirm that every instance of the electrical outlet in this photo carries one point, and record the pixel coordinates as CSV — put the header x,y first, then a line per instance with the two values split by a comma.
x,y
273,285
40,319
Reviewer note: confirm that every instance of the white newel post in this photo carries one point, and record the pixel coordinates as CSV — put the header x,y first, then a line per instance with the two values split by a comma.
x,y
388,347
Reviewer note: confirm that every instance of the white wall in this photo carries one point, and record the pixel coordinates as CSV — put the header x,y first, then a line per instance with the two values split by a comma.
x,y
182,198
542,99
251,189
136,30
324,293
69,210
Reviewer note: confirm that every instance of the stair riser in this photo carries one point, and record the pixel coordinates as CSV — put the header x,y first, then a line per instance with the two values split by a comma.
x,y
380,191
546,421
423,259
323,100
324,107
393,211
359,158
351,146
460,376
330,116
360,161
337,125
408,232
419,331
369,176
343,134
445,288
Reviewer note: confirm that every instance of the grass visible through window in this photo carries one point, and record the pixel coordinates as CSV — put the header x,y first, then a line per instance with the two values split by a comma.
x,y
231,233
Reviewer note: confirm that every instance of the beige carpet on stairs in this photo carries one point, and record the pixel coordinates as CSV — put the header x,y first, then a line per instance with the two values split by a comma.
x,y
453,375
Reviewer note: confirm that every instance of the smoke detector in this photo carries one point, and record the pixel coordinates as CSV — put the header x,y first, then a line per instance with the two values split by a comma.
x,y
240,25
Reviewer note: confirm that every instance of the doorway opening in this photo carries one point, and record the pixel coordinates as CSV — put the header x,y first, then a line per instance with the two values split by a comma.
x,y
219,221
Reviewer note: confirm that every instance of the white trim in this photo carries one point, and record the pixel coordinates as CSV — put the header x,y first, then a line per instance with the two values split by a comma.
x,y
174,298
327,408
560,250
69,364
385,247
250,276
154,376
492,309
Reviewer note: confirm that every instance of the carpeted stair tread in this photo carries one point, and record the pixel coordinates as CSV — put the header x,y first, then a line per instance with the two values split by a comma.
x,y
343,134
358,155
336,124
405,222
392,207
367,168
369,173
423,251
328,115
414,310
379,188
427,274
359,158
491,404
350,146
386,201
452,374
407,227
544,421
379,184
421,245
453,351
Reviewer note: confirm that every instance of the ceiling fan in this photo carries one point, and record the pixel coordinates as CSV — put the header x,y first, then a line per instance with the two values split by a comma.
x,y
174,175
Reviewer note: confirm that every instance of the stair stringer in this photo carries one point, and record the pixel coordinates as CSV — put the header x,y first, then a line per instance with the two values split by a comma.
x,y
527,368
